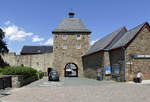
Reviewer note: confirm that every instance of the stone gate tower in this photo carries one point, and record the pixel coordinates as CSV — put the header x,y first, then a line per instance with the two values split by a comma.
x,y
71,40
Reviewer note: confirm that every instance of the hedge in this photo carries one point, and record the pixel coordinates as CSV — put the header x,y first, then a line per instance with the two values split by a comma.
x,y
1,69
20,70
40,73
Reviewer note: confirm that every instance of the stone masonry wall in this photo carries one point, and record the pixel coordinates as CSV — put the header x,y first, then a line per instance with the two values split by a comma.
x,y
117,59
106,64
139,46
71,54
9,58
38,61
91,63
16,81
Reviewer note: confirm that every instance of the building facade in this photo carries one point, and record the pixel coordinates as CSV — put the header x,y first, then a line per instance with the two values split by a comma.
x,y
120,55
71,40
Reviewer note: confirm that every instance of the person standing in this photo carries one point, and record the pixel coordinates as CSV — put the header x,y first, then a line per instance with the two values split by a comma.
x,y
139,77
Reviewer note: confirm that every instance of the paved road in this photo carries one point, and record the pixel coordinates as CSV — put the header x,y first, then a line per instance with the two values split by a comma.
x,y
69,82
79,90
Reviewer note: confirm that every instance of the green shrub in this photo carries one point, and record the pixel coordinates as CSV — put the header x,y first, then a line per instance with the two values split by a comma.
x,y
19,70
1,69
40,74
22,65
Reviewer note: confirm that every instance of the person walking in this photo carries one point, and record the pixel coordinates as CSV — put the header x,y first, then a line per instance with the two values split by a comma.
x,y
139,77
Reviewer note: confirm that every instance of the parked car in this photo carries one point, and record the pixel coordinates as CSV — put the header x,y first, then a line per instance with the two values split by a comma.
x,y
53,76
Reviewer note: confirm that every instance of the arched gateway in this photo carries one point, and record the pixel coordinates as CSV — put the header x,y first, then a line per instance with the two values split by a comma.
x,y
71,70
71,40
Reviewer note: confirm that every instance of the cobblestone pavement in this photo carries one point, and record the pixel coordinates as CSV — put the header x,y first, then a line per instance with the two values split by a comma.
x,y
5,92
68,82
79,90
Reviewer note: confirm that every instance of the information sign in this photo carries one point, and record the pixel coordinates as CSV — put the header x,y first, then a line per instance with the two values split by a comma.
x,y
107,70
116,70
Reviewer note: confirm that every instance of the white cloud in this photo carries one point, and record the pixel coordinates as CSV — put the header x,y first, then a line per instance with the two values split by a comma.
x,y
14,32
92,42
36,38
49,42
7,22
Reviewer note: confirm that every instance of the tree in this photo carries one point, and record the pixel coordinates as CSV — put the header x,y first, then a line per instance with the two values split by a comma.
x,y
3,45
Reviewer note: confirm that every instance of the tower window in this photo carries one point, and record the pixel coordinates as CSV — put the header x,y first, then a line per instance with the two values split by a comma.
x,y
64,46
78,46
64,37
78,36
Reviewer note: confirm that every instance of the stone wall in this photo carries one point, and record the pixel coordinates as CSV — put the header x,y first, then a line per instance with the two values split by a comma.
x,y
103,60
117,59
38,61
139,46
106,64
16,81
71,54
9,58
91,63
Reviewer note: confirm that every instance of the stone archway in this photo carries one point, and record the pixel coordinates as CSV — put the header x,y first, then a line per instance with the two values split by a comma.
x,y
71,70
49,70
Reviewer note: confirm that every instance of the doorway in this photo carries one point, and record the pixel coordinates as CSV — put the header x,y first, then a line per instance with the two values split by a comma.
x,y
71,70
49,70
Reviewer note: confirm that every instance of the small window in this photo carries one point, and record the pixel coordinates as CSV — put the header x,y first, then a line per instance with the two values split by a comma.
x,y
64,37
64,46
78,37
78,46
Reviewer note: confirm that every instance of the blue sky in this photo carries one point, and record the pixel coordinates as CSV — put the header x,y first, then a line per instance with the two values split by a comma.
x,y
30,22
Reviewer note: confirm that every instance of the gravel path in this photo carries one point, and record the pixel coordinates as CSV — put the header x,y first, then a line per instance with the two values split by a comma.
x,y
120,92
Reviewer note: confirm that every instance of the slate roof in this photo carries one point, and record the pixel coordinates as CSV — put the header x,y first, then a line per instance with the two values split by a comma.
x,y
71,25
36,49
128,36
102,43
119,38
